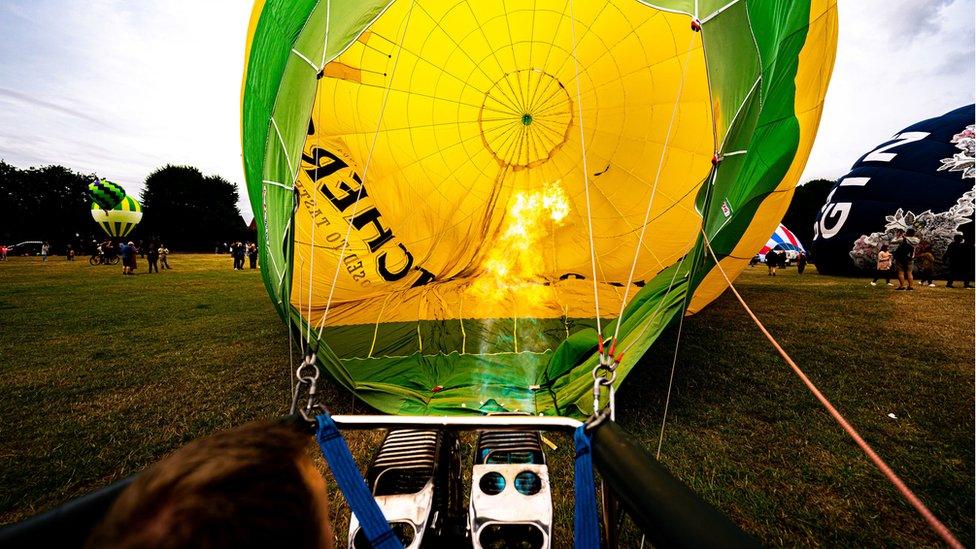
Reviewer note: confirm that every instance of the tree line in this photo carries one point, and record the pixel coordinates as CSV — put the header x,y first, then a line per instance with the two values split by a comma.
x,y
181,207
193,212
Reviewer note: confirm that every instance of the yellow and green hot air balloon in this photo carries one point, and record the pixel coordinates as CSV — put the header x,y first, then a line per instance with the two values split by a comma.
x,y
119,221
458,199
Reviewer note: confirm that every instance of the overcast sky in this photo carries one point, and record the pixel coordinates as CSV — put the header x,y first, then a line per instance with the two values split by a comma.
x,y
120,88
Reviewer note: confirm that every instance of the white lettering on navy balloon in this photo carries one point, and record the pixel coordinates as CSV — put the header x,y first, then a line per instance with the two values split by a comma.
x,y
836,214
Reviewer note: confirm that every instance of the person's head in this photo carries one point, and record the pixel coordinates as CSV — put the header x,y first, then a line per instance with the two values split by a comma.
x,y
130,243
249,487
957,238
884,247
910,231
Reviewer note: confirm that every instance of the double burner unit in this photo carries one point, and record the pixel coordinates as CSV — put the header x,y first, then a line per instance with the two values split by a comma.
x,y
416,478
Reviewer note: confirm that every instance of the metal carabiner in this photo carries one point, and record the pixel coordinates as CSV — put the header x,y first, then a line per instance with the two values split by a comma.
x,y
596,420
611,398
309,362
294,397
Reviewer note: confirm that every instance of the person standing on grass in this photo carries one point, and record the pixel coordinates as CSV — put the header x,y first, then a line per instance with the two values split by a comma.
x,y
959,256
3,252
152,255
883,266
129,252
135,254
252,254
926,264
904,258
801,263
45,248
163,256
772,262
238,253
124,254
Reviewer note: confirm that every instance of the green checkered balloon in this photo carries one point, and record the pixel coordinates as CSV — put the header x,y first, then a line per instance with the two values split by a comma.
x,y
106,194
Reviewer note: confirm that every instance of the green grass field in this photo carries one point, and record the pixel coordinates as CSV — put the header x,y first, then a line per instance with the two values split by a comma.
x,y
101,375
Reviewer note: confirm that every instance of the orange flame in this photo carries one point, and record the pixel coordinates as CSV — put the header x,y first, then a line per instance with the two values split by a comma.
x,y
513,265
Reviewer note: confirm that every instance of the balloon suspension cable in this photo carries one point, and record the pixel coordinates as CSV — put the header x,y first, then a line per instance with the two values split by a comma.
x,y
937,526
290,232
657,178
311,240
677,340
660,303
586,174
359,191
667,398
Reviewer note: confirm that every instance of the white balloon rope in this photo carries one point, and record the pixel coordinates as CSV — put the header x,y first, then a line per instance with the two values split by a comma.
x,y
315,199
586,171
667,399
677,341
657,178
369,158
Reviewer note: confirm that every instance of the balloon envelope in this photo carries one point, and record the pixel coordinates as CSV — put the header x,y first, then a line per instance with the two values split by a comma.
x,y
107,194
782,239
437,183
921,178
119,221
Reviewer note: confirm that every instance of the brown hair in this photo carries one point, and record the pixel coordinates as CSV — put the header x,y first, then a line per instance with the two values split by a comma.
x,y
247,487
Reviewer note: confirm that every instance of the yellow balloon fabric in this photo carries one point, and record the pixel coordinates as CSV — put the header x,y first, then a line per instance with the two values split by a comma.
x,y
459,200
119,221
452,113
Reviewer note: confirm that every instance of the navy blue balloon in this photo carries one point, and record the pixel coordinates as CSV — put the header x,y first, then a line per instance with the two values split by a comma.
x,y
922,178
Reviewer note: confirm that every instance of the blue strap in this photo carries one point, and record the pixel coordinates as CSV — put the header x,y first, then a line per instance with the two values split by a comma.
x,y
352,485
586,529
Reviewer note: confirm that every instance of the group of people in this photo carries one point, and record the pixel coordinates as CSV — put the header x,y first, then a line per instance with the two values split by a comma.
x,y
908,249
777,259
156,254
239,250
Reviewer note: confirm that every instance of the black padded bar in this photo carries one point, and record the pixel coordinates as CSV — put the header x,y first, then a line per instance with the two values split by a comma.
x,y
666,510
66,526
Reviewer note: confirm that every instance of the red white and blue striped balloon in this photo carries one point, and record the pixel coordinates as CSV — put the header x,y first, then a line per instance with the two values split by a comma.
x,y
785,239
